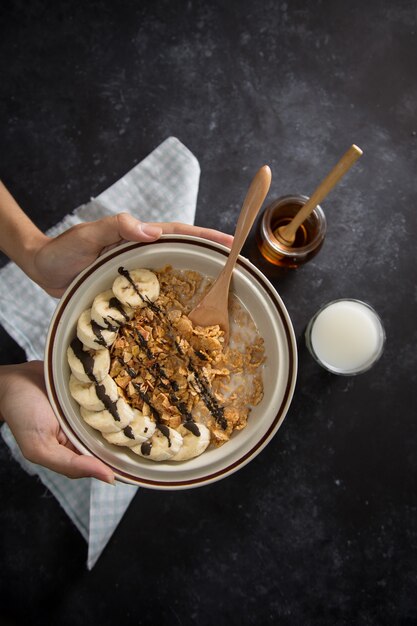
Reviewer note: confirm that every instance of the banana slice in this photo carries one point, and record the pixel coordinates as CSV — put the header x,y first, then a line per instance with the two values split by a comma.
x,y
105,422
91,334
162,446
193,444
138,431
87,365
108,312
135,288
95,396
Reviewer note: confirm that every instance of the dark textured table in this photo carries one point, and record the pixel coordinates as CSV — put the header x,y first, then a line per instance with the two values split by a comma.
x,y
321,527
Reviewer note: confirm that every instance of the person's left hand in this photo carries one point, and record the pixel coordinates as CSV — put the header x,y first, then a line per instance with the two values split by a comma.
x,y
26,409
60,259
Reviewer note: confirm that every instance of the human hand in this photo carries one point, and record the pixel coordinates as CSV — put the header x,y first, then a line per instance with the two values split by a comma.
x,y
59,260
26,409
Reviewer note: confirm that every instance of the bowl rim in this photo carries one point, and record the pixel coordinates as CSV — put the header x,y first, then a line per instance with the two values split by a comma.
x,y
258,445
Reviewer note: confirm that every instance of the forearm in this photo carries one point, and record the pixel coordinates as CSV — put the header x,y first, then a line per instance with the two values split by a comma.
x,y
20,239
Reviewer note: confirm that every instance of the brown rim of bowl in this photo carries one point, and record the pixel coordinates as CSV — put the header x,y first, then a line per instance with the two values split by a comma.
x,y
242,460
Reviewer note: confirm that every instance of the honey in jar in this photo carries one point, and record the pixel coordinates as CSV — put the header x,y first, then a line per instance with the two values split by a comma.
x,y
308,239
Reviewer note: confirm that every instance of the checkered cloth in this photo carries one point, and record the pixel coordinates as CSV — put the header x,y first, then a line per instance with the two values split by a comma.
x,y
162,187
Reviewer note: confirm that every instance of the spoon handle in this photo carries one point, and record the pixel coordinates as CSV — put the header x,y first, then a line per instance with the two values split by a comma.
x,y
339,170
255,196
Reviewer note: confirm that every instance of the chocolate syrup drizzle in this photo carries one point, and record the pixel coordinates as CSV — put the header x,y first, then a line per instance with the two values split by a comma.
x,y
144,344
123,272
85,357
114,303
97,330
126,274
129,432
169,385
110,404
201,356
209,400
87,361
146,446
112,327
202,385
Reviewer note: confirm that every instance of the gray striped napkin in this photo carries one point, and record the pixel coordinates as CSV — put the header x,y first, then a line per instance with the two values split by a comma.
x,y
162,187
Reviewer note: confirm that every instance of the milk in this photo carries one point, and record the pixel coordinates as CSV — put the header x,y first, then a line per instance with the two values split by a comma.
x,y
346,336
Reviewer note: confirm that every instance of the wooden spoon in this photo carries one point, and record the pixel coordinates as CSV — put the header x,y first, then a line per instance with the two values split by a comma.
x,y
286,234
213,308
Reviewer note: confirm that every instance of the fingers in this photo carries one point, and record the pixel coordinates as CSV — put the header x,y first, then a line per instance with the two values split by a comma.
x,y
35,427
178,228
65,461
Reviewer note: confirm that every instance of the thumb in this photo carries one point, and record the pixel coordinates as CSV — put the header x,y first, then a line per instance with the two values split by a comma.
x,y
113,229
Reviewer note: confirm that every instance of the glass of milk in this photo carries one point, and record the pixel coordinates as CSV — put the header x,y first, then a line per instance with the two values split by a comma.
x,y
345,336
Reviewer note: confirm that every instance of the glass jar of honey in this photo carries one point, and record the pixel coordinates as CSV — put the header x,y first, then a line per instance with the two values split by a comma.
x,y
308,239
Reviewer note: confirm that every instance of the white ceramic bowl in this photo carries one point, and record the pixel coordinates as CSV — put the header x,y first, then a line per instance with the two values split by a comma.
x,y
280,369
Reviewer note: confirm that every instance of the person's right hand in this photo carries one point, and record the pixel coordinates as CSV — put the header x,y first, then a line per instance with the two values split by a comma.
x,y
53,262
58,260
25,407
